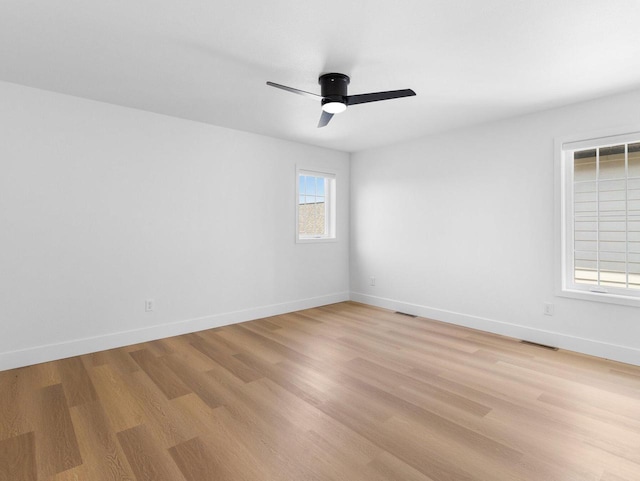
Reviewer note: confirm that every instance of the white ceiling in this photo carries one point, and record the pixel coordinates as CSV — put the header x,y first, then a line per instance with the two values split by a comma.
x,y
208,60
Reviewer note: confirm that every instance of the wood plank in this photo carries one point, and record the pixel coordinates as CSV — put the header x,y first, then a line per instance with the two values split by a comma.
x,y
18,458
222,356
118,359
161,375
182,349
147,459
197,462
320,428
120,405
198,382
277,375
56,444
76,382
238,341
424,460
387,467
15,393
102,455
45,374
167,424
79,473
384,378
607,476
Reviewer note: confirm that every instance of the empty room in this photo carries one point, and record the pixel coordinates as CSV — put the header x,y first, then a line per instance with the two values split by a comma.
x,y
343,241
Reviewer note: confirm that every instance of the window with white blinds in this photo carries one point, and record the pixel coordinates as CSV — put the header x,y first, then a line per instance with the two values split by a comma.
x,y
602,215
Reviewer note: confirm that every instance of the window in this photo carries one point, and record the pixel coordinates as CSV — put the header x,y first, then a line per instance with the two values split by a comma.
x,y
315,206
601,197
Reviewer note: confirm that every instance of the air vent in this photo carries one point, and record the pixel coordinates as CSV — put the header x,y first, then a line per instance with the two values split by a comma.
x,y
544,346
405,314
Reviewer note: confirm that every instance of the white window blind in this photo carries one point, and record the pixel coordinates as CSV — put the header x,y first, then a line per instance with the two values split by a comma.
x,y
604,223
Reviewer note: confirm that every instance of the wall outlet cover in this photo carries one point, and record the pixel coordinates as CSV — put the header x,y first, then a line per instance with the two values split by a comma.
x,y
548,309
149,305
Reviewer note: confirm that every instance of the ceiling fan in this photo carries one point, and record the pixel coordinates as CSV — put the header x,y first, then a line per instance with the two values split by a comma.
x,y
334,98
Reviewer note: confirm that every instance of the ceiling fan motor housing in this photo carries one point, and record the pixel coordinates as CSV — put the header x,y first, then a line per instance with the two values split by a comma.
x,y
333,87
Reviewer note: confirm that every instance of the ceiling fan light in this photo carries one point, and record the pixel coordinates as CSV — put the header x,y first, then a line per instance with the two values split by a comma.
x,y
334,107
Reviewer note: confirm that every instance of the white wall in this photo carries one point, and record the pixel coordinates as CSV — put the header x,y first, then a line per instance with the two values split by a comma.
x,y
460,227
102,207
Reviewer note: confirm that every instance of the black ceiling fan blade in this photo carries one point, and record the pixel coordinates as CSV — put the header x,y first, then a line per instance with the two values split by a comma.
x,y
295,91
324,119
377,96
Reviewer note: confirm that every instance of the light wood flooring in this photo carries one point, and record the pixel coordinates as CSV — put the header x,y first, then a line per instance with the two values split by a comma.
x,y
342,392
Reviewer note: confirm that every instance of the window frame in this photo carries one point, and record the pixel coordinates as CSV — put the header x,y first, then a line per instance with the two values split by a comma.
x,y
330,205
564,222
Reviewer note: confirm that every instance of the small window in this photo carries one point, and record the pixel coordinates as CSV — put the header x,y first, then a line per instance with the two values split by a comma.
x,y
315,206
601,193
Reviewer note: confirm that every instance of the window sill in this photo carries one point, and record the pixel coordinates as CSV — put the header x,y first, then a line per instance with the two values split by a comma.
x,y
312,240
600,297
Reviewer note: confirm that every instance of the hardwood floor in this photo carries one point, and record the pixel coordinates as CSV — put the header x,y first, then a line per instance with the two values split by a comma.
x,y
342,392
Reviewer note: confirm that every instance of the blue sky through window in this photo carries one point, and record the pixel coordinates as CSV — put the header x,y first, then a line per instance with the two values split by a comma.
x,y
311,189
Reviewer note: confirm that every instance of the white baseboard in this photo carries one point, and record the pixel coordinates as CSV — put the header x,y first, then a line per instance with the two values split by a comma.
x,y
605,350
76,347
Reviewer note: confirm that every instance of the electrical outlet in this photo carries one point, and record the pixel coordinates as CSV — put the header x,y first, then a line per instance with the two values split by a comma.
x,y
548,309
372,281
149,305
